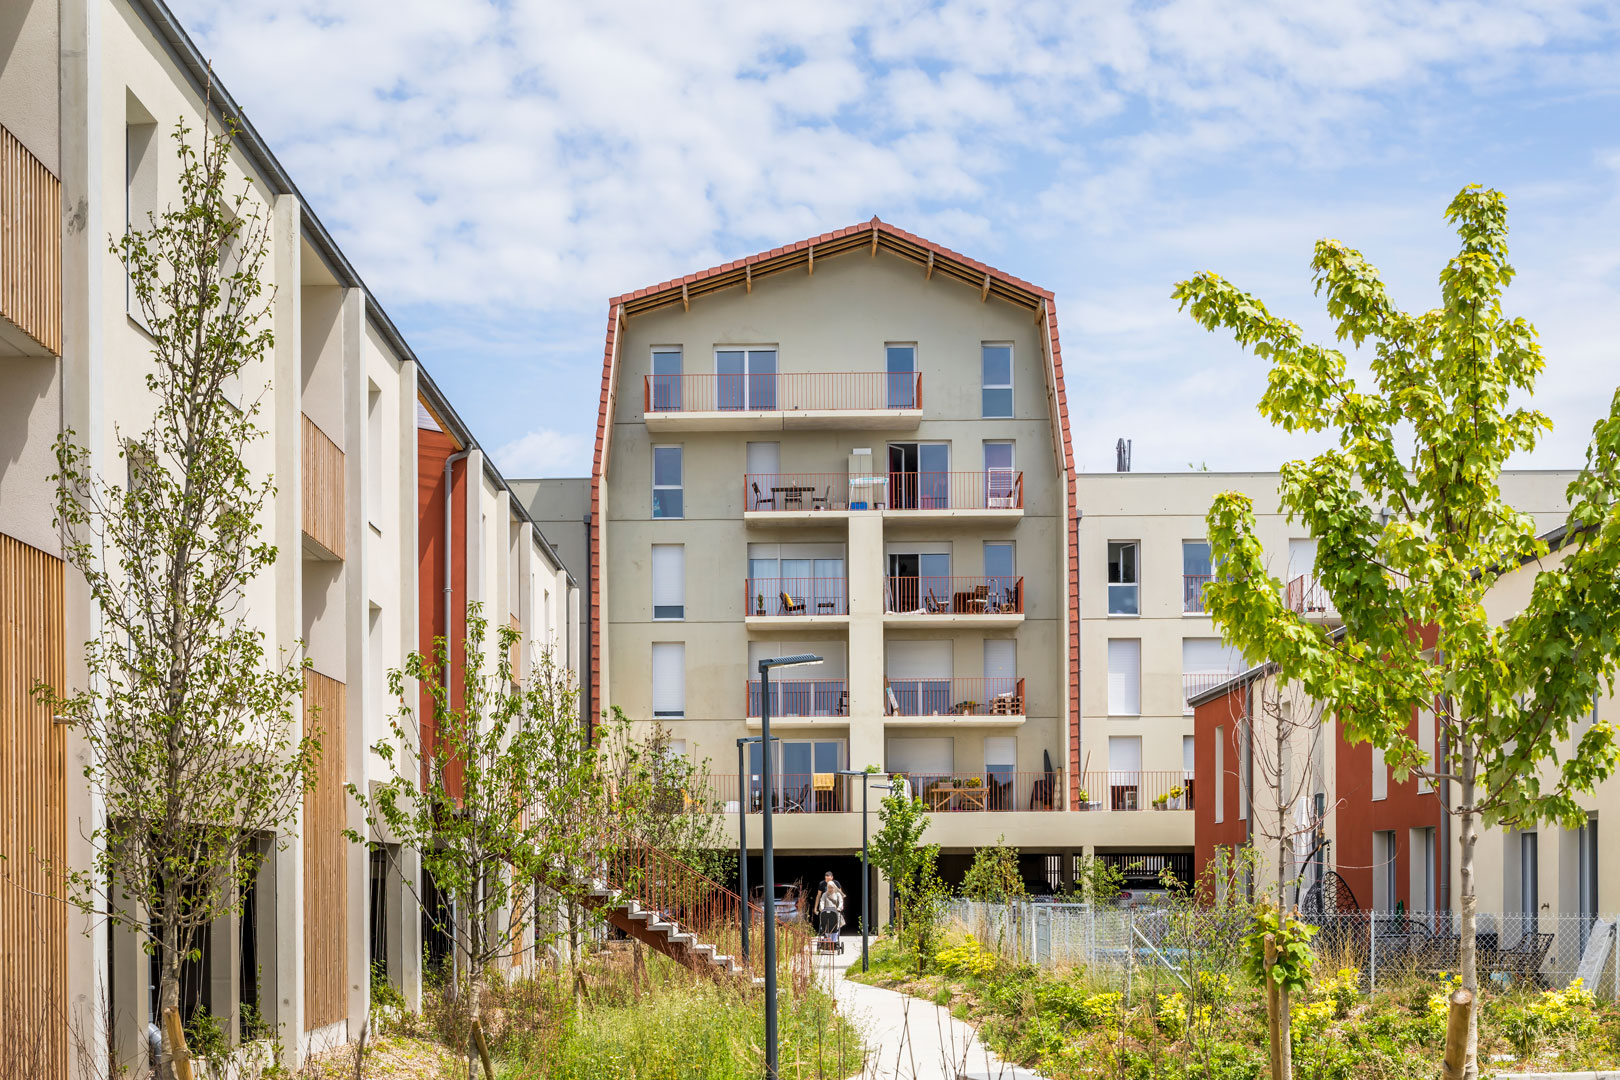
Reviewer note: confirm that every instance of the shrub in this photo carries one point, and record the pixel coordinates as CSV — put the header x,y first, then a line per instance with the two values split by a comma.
x,y
969,960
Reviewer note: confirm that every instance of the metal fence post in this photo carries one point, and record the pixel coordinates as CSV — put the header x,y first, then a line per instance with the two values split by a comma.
x,y
1372,952
1130,951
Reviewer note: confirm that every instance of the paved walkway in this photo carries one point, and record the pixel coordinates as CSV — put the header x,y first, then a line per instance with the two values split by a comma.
x,y
912,1039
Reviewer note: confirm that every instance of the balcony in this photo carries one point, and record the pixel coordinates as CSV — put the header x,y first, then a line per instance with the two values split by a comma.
x,y
1194,683
30,253
927,702
802,700
995,494
791,793
1192,593
323,494
1134,790
1307,596
795,602
779,401
986,792
933,601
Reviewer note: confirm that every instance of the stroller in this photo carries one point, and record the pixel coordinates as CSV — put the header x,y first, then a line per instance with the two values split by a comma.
x,y
828,924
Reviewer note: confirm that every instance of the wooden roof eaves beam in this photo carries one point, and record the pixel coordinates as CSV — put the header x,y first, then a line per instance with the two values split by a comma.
x,y
748,276
984,290
686,297
811,261
930,275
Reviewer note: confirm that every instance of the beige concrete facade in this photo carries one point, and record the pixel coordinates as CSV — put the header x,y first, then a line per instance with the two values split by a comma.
x,y
121,75
841,319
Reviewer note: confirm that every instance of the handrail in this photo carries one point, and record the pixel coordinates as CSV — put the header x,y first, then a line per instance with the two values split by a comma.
x,y
782,391
925,594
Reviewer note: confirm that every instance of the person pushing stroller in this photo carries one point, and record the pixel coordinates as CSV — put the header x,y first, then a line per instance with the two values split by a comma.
x,y
830,908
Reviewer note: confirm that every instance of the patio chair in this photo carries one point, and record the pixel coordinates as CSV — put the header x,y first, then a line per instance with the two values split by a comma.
x,y
822,501
1524,959
762,499
891,702
796,805
791,606
932,604
827,606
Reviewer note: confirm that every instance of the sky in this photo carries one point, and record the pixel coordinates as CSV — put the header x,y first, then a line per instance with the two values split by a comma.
x,y
496,171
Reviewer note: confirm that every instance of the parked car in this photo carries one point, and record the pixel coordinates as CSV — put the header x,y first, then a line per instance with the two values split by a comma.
x,y
789,902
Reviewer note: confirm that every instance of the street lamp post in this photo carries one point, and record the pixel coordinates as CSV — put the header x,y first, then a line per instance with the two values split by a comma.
x,y
768,854
866,874
742,836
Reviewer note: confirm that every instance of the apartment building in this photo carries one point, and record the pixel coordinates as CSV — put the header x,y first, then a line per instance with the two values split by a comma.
x,y
1386,840
356,437
855,446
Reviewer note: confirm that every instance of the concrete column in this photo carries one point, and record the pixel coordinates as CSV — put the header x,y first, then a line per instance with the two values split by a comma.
x,y
357,657
224,968
866,695
128,995
404,929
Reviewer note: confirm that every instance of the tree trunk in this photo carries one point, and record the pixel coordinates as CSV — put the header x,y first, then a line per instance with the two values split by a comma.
x,y
1285,1038
168,996
1273,1010
1467,838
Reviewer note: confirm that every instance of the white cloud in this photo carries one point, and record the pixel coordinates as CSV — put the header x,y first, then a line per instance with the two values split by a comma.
x,y
490,166
545,452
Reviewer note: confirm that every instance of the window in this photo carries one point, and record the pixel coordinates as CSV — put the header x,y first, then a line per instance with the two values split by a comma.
x,y
1380,776
1124,676
1122,579
1383,871
746,378
1124,772
1425,740
1000,478
996,367
1220,775
669,581
669,678
667,383
1205,664
901,363
374,455
1001,670
1001,577
1420,889
795,764
140,181
1196,569
1001,755
668,495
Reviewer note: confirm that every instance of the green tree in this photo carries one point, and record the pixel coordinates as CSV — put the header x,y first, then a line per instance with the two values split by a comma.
x,y
1414,532
190,724
896,849
668,799
993,876
502,796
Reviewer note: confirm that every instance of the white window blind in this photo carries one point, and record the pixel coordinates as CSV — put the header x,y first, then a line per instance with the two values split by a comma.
x,y
1125,754
1380,776
1000,753
1000,662
669,678
1188,760
1425,741
1209,654
919,659
1220,775
1124,676
669,581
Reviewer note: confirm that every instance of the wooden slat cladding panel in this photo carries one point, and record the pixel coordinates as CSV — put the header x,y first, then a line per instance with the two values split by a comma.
x,y
326,855
30,244
33,928
323,489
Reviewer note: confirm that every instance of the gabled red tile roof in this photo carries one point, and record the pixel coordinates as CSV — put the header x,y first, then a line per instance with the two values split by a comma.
x,y
898,241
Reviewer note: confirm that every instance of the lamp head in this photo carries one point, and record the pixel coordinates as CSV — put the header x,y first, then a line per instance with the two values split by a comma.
x,y
798,660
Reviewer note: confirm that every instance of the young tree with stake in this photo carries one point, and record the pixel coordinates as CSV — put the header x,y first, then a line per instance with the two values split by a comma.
x,y
1414,532
189,723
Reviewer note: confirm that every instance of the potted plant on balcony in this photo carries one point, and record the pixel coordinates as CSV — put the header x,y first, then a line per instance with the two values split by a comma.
x,y
1082,799
1161,802
759,604
1175,795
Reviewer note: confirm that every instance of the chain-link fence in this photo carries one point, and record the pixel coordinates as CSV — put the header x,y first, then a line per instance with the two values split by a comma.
x,y
1178,943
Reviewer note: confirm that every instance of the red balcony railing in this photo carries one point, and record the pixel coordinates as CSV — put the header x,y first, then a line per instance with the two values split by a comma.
x,y
1194,683
945,793
1192,591
798,491
796,596
1307,596
988,489
837,391
1136,790
927,595
802,698
999,696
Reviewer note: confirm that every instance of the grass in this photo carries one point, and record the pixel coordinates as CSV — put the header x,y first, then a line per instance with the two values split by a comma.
x,y
1073,1023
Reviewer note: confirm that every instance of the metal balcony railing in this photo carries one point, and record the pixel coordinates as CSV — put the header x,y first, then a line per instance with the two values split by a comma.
x,y
1307,596
926,595
988,489
796,596
1192,591
838,391
1136,790
802,698
1194,683
998,696
791,793
991,489
981,792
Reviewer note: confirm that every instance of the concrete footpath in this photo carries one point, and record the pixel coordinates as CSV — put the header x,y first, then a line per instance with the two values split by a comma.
x,y
909,1038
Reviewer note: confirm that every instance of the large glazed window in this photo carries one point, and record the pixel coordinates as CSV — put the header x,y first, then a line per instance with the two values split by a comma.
x,y
1123,582
997,380
901,364
668,495
666,383
746,378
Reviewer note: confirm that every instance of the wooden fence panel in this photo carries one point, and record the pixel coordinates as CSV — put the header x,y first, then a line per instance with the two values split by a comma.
x,y
30,244
323,489
326,856
33,925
